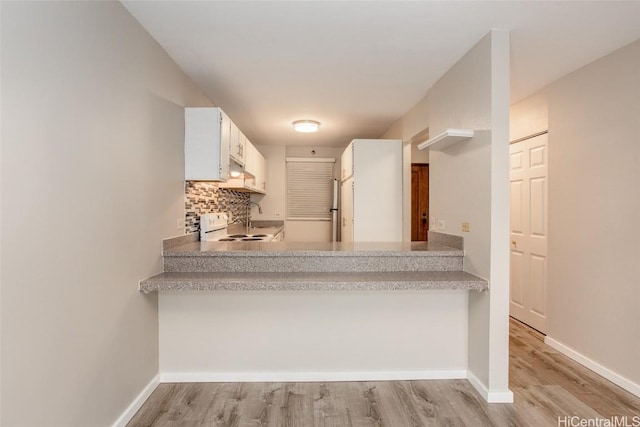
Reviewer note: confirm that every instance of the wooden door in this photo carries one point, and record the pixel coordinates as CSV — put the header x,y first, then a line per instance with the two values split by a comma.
x,y
528,246
419,201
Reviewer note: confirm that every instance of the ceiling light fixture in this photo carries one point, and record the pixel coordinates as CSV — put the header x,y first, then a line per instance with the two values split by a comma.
x,y
306,126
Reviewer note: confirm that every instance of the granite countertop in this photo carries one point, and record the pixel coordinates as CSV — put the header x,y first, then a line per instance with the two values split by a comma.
x,y
317,249
436,264
305,281
439,244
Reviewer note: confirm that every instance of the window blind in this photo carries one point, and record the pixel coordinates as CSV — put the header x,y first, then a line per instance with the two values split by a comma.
x,y
309,188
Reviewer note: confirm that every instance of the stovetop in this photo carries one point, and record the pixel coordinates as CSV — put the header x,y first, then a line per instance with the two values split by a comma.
x,y
213,228
245,238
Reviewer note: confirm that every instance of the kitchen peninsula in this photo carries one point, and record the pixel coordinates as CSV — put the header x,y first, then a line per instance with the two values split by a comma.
x,y
286,311
193,265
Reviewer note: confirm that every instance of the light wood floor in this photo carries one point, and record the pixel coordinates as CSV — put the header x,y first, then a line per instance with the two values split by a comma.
x,y
546,385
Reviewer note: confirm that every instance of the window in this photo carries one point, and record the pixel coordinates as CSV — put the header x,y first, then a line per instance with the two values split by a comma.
x,y
309,188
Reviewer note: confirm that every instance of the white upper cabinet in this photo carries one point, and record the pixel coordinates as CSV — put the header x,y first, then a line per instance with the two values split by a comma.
x,y
255,169
250,159
237,145
214,147
207,135
254,179
261,173
346,162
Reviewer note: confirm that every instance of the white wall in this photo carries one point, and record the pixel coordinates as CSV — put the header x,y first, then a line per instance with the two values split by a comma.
x,y
594,176
92,137
249,336
275,201
468,182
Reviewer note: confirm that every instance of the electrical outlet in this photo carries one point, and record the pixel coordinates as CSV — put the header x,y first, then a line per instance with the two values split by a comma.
x,y
179,223
441,224
466,227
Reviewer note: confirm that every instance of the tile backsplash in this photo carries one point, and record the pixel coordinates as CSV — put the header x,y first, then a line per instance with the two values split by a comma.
x,y
205,197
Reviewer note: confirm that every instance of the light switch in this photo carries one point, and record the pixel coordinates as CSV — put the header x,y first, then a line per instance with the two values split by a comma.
x,y
466,227
179,223
441,224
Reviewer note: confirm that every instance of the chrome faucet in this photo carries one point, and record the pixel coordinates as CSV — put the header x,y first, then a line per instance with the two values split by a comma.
x,y
249,212
254,203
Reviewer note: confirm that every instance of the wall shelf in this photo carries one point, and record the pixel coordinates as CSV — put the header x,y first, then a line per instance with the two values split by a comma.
x,y
446,139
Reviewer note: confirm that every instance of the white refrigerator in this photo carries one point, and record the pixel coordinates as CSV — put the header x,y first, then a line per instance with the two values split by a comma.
x,y
371,191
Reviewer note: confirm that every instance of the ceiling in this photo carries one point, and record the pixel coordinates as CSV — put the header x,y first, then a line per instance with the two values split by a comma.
x,y
358,66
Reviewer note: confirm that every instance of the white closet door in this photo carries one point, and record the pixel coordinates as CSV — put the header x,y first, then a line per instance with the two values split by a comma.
x,y
529,230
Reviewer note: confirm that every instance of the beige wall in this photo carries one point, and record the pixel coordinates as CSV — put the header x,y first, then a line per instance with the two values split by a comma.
x,y
412,123
529,116
468,182
594,176
1,244
592,118
92,138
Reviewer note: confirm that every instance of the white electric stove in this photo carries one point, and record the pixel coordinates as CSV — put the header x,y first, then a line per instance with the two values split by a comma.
x,y
213,228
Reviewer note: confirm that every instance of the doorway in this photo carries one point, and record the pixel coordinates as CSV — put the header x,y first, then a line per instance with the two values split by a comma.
x,y
419,202
528,231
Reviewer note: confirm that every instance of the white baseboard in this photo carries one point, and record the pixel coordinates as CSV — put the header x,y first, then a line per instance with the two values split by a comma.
x,y
614,377
214,377
505,396
137,403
